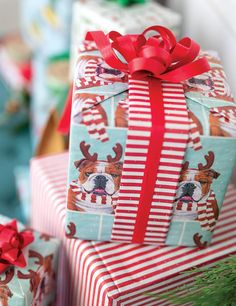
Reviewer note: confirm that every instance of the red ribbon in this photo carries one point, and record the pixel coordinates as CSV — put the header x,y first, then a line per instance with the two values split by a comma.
x,y
159,57
12,244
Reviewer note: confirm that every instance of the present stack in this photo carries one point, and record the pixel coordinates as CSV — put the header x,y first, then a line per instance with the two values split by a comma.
x,y
102,273
152,139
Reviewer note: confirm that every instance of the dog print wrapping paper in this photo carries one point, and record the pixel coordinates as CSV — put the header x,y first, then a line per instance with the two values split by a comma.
x,y
36,283
98,141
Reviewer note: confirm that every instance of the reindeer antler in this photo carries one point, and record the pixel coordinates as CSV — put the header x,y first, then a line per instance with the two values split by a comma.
x,y
85,150
9,275
37,255
30,275
118,150
185,166
197,240
209,159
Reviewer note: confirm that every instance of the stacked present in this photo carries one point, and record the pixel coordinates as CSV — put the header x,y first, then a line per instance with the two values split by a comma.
x,y
152,142
152,139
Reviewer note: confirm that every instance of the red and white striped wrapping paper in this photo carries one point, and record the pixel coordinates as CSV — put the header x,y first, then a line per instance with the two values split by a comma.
x,y
101,273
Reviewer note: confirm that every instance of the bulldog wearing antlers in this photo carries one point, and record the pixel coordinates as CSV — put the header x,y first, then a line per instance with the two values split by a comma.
x,y
195,200
96,189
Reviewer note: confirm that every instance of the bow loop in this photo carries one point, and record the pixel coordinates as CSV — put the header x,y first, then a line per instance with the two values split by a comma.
x,y
12,244
159,55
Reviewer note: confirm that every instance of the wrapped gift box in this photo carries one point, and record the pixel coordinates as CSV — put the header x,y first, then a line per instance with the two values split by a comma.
x,y
113,144
49,92
102,273
57,80
22,180
106,15
34,284
15,62
44,22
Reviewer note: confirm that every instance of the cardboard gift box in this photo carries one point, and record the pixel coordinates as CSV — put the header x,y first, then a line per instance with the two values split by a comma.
x,y
150,157
28,265
15,62
106,15
57,80
44,22
49,91
102,273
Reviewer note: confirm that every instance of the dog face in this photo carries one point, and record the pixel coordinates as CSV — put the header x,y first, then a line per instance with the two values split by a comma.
x,y
99,177
195,184
108,73
203,82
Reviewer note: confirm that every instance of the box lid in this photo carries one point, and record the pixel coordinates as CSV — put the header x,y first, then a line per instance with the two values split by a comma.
x,y
210,102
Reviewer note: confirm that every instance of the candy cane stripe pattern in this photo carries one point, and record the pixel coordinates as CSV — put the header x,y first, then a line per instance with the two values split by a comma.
x,y
107,274
135,159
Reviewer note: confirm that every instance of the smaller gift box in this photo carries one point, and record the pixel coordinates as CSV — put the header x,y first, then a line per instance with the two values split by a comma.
x,y
105,15
28,265
106,274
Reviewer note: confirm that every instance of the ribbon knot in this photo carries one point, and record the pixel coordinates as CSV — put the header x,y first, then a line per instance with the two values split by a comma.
x,y
12,244
159,55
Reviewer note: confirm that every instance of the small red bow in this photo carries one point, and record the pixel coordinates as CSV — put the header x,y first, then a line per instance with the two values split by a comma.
x,y
12,244
159,56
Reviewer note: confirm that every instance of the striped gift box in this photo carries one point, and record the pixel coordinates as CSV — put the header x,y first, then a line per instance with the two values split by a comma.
x,y
102,273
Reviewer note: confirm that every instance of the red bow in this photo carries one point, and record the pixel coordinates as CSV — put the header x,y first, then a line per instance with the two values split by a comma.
x,y
12,244
159,56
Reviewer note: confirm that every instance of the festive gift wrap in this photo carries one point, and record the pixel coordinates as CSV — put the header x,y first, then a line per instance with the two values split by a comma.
x,y
92,15
50,88
102,273
15,62
28,265
45,25
152,143
57,79
22,180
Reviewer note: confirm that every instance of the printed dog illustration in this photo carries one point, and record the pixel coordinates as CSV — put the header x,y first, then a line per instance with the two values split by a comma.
x,y
5,292
194,198
42,280
98,183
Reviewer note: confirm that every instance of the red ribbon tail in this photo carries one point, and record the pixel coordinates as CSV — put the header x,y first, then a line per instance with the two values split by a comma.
x,y
153,160
64,123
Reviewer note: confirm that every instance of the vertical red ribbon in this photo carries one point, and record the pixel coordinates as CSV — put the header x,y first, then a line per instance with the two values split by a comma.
x,y
153,159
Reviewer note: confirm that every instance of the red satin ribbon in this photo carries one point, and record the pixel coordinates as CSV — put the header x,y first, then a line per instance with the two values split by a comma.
x,y
159,57
12,244
64,123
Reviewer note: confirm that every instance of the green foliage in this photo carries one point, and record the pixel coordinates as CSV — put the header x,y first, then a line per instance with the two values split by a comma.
x,y
213,286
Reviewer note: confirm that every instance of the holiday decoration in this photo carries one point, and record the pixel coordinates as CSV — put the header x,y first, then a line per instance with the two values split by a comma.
x,y
57,76
102,273
145,165
28,265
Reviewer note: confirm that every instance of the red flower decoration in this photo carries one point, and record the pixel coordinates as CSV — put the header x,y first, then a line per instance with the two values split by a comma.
x,y
12,244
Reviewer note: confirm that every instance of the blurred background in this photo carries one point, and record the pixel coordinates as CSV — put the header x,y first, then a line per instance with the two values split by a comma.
x,y
38,49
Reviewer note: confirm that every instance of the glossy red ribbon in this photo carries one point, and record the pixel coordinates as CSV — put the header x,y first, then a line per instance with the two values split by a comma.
x,y
156,58
12,244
